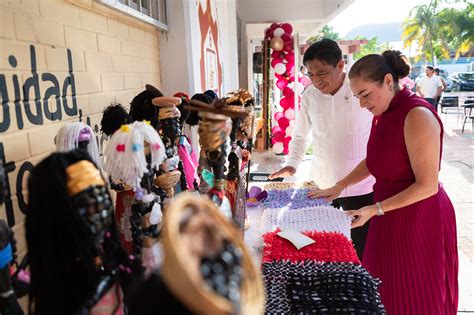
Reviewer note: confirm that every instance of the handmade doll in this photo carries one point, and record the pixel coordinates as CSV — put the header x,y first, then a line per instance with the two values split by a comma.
x,y
214,130
78,135
132,157
77,263
241,141
113,117
169,129
206,270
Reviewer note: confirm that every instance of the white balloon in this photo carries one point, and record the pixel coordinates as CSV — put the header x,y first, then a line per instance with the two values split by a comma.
x,y
290,114
280,68
289,131
278,147
278,32
292,123
299,88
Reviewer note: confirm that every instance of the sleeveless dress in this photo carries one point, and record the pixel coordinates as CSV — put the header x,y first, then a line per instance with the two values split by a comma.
x,y
413,249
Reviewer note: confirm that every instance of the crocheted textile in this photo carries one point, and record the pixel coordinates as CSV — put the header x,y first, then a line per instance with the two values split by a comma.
x,y
320,288
321,219
292,199
328,247
289,185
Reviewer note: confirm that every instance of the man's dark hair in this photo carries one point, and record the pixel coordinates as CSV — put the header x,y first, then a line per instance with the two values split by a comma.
x,y
430,67
325,50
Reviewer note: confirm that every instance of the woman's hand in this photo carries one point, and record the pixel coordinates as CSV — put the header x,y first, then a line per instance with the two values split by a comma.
x,y
362,215
329,194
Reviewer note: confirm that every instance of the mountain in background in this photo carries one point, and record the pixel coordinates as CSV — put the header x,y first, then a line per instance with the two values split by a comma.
x,y
385,32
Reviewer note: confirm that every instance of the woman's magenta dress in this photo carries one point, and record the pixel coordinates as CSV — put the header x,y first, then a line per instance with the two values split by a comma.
x,y
413,249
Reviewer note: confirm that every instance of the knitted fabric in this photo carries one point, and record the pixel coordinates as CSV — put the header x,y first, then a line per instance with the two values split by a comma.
x,y
320,288
328,247
320,218
289,185
292,199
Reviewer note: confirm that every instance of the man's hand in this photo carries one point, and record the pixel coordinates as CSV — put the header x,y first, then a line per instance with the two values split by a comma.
x,y
284,172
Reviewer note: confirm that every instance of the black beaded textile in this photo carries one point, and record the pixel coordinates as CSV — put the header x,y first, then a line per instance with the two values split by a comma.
x,y
320,288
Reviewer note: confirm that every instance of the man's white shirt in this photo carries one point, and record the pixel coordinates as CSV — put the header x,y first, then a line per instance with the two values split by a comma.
x,y
340,129
429,86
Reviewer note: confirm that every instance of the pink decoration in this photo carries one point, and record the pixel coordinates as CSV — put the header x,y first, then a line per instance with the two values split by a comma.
x,y
276,129
156,146
285,103
278,115
290,67
286,141
283,122
287,38
276,61
290,57
288,47
287,28
281,83
290,113
287,92
279,136
120,148
305,81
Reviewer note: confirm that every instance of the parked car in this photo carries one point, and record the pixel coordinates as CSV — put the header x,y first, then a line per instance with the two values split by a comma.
x,y
462,81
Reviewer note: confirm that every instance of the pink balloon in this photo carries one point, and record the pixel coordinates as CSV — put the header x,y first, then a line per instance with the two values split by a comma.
x,y
274,26
287,27
287,38
283,122
287,92
285,103
268,32
278,115
275,54
276,61
279,136
305,81
290,57
290,113
275,129
287,140
282,83
290,67
288,47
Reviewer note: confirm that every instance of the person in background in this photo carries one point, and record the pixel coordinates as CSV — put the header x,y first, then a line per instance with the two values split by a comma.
x,y
430,87
339,128
411,246
445,86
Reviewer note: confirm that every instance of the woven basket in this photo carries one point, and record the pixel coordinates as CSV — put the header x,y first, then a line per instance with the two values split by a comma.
x,y
289,185
187,284
168,180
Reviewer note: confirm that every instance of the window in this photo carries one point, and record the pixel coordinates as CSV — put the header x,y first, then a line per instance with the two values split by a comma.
x,y
150,11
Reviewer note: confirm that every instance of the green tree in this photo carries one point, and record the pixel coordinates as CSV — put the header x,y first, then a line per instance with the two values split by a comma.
x,y
370,48
422,26
457,29
326,32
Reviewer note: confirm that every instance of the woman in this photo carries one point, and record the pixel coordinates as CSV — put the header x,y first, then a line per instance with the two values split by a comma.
x,y
412,248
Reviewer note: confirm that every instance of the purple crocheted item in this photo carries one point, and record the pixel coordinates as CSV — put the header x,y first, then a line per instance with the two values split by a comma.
x,y
292,199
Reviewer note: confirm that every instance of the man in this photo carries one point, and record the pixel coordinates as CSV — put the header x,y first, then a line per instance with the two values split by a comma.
x,y
340,131
443,83
430,87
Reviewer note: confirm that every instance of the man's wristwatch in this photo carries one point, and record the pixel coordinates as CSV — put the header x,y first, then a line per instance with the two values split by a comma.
x,y
379,208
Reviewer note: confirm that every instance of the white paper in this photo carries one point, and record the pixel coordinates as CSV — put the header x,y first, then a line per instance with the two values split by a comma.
x,y
298,239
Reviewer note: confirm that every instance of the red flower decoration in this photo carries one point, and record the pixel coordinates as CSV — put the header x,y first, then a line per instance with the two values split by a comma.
x,y
120,148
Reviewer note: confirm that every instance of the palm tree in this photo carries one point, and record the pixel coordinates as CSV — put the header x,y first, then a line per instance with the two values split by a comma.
x,y
457,28
422,26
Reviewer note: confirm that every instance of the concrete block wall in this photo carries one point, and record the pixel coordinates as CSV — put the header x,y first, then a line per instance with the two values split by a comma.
x,y
62,61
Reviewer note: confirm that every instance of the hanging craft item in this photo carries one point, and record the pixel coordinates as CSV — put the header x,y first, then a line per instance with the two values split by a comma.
x,y
77,135
214,130
206,270
132,156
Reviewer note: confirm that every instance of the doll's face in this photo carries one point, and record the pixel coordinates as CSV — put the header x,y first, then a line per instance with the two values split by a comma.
x,y
91,198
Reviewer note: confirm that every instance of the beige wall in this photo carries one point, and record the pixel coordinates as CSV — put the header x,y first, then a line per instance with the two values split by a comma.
x,y
113,57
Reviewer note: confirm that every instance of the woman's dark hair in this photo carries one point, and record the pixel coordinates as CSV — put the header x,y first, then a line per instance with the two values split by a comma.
x,y
141,108
374,67
62,259
325,50
113,117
